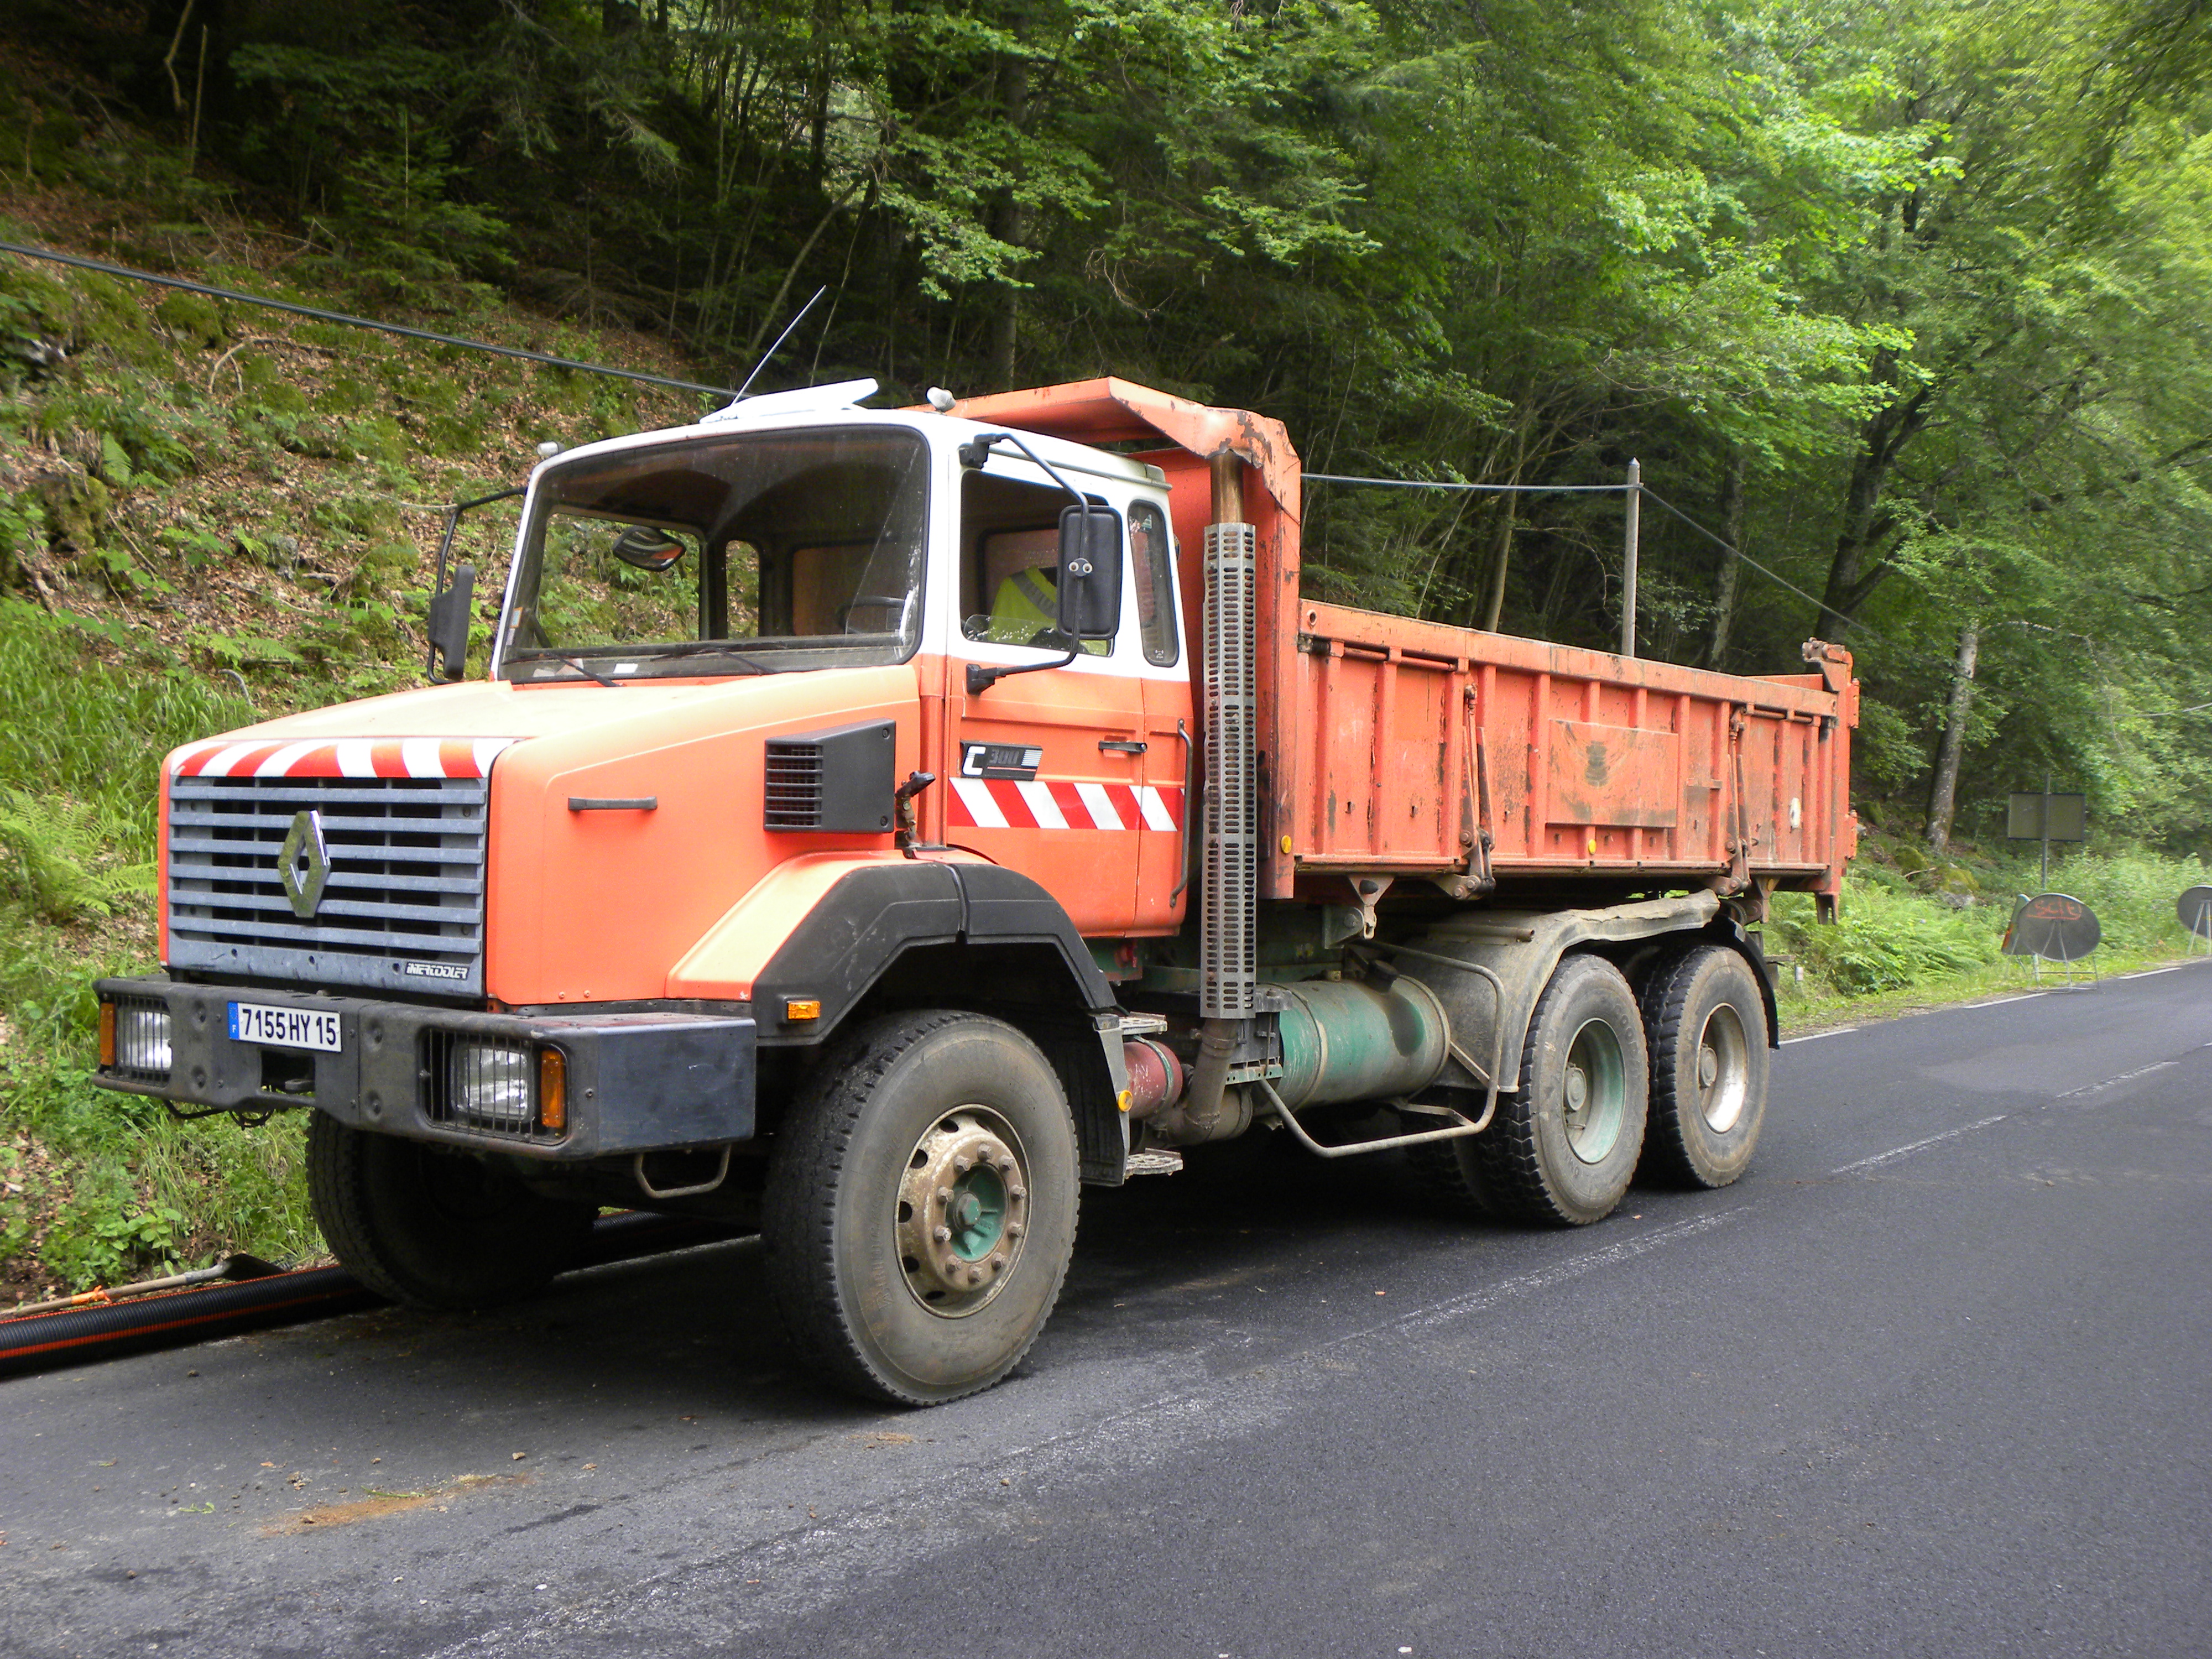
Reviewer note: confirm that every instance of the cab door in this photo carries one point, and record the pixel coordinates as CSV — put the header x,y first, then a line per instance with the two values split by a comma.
x,y
1045,766
1046,770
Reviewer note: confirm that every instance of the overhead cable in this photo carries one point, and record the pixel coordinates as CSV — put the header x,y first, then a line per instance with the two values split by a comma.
x,y
1622,488
400,328
1484,489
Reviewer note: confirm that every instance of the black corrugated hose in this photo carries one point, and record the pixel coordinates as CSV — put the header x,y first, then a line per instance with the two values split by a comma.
x,y
39,1342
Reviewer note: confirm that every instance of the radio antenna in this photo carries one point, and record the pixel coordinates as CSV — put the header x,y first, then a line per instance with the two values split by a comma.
x,y
780,339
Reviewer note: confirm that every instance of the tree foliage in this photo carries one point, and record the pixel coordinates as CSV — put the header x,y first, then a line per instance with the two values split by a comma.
x,y
1907,298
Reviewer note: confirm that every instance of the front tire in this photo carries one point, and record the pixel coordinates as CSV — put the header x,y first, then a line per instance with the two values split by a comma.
x,y
1706,1025
920,1208
1564,1148
432,1228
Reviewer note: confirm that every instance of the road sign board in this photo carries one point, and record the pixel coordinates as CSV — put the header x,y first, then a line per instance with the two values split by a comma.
x,y
2026,820
2052,926
2194,908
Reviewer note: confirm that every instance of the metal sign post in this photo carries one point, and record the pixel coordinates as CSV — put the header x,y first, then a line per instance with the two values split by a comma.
x,y
2047,817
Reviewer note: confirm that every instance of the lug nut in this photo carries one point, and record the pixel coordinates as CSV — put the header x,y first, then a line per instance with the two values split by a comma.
x,y
1006,1166
1013,1230
1017,1192
943,1235
963,1163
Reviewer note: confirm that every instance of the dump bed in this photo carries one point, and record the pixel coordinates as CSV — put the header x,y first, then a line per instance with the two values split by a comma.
x,y
1403,747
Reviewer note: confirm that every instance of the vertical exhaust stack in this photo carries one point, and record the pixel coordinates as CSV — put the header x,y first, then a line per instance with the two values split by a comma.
x,y
1229,896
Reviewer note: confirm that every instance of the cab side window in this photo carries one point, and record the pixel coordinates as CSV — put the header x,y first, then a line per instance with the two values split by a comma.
x,y
1151,563
1009,563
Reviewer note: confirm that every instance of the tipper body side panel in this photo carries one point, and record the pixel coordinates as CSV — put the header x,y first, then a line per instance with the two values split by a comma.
x,y
1410,748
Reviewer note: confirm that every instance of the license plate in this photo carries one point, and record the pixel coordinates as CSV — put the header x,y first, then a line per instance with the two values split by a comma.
x,y
285,1028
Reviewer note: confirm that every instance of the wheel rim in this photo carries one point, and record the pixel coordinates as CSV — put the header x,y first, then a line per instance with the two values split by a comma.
x,y
962,1211
1724,1069
1594,1098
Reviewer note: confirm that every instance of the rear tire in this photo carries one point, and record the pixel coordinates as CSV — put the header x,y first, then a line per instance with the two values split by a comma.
x,y
1705,1023
920,1208
433,1228
1564,1148
1447,1172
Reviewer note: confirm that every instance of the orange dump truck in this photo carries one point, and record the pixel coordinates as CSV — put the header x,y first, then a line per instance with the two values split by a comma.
x,y
873,825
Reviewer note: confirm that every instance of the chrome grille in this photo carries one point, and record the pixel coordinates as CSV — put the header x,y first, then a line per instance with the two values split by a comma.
x,y
402,907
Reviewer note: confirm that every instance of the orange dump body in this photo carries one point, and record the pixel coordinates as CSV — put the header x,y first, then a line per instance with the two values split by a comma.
x,y
1407,747
1394,747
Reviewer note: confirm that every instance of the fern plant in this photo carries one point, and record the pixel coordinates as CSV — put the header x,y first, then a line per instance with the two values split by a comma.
x,y
58,861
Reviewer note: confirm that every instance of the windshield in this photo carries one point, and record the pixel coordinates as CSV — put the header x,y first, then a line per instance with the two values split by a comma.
x,y
738,553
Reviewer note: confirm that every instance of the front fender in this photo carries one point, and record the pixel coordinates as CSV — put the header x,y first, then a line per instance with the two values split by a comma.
x,y
825,928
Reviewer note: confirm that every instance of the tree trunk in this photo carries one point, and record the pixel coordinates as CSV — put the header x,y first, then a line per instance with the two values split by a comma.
x,y
1731,571
1859,566
1506,520
1943,799
1006,224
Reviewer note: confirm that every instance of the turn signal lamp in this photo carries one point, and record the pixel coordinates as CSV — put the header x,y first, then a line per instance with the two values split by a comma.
x,y
107,1036
798,1008
552,1090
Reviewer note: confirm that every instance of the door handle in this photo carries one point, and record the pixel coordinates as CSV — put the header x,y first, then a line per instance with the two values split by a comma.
x,y
1123,745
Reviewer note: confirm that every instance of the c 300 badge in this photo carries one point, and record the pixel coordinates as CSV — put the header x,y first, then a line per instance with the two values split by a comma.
x,y
1012,761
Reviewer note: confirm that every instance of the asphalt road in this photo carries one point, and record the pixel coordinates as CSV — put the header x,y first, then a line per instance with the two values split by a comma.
x,y
1930,1379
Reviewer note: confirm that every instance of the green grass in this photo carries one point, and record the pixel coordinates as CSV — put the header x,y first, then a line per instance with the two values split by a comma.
x,y
1899,945
112,1188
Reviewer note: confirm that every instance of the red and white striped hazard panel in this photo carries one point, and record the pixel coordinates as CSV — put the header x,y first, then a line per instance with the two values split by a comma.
x,y
346,757
1008,804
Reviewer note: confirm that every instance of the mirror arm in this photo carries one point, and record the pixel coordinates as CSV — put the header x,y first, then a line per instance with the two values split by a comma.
x,y
977,450
981,678
438,589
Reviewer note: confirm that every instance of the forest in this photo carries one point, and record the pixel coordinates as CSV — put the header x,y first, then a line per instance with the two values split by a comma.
x,y
1904,308
1906,299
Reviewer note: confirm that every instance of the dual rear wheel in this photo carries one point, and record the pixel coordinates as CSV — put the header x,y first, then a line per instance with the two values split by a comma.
x,y
1674,1082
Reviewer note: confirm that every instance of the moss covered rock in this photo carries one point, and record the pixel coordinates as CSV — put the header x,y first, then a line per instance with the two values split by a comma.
x,y
75,505
193,317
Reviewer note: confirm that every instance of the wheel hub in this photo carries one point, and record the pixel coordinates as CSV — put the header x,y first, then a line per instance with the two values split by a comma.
x,y
1724,1069
1594,1092
962,1211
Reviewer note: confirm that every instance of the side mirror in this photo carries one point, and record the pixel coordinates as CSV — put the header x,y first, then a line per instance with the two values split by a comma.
x,y
447,624
1089,573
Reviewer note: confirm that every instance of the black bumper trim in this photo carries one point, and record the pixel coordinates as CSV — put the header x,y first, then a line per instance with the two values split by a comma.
x,y
637,1081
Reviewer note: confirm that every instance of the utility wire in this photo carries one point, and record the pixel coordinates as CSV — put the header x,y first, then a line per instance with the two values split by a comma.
x,y
1657,499
1781,581
400,328
1487,489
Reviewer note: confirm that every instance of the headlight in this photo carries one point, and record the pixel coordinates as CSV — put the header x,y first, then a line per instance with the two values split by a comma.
x,y
489,1084
141,1038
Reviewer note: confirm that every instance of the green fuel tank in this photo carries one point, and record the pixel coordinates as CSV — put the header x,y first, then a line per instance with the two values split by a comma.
x,y
1344,1040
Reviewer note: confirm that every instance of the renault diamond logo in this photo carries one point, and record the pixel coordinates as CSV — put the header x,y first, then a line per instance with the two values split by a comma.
x,y
304,865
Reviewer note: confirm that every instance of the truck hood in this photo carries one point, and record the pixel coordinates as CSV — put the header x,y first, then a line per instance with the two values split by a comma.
x,y
466,725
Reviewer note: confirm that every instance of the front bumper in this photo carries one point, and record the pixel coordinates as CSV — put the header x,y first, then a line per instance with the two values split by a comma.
x,y
632,1082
